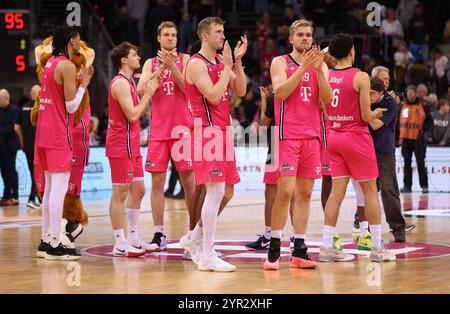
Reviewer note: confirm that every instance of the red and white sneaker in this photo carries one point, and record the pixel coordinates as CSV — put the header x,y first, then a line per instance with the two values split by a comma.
x,y
127,250
141,245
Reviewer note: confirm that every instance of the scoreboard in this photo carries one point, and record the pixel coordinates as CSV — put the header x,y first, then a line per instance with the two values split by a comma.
x,y
14,40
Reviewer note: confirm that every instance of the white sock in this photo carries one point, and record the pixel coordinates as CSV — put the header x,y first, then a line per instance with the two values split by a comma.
x,y
278,234
133,222
327,237
197,233
159,228
267,232
46,209
299,236
214,194
59,183
363,228
119,236
375,231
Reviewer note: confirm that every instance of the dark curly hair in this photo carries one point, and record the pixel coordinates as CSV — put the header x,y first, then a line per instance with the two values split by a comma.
x,y
61,37
340,45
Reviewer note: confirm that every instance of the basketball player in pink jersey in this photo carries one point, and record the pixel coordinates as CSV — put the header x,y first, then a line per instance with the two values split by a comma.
x,y
270,172
300,82
348,115
60,97
208,78
123,149
170,121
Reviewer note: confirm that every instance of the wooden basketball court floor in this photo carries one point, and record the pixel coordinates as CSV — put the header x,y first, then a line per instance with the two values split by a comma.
x,y
422,265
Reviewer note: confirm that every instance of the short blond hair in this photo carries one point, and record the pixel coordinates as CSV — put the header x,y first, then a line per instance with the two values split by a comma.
x,y
300,23
204,26
166,24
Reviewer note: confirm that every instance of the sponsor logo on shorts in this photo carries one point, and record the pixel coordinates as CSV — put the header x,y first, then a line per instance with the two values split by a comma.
x,y
318,170
325,167
149,163
216,173
287,167
130,174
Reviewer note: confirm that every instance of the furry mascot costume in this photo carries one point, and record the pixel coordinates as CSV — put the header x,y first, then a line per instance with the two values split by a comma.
x,y
74,215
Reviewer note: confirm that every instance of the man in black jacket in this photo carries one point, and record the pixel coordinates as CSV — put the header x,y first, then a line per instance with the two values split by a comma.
x,y
27,132
9,145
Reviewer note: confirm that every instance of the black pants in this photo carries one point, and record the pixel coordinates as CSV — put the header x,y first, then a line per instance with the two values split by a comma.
x,y
30,161
390,195
9,173
408,147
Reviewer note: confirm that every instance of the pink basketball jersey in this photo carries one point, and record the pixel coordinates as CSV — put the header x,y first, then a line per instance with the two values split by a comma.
x,y
54,122
344,112
210,115
298,117
122,136
169,104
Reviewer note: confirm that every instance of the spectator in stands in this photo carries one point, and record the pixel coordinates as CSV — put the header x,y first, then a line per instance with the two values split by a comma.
x,y
185,29
414,119
261,6
369,64
137,9
420,30
441,128
405,11
266,57
402,58
446,34
422,94
251,58
331,17
417,73
440,68
283,28
264,29
163,11
9,145
392,32
124,28
26,132
205,9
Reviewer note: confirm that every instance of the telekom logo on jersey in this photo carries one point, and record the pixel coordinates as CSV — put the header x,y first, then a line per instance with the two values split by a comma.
x,y
168,88
305,91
